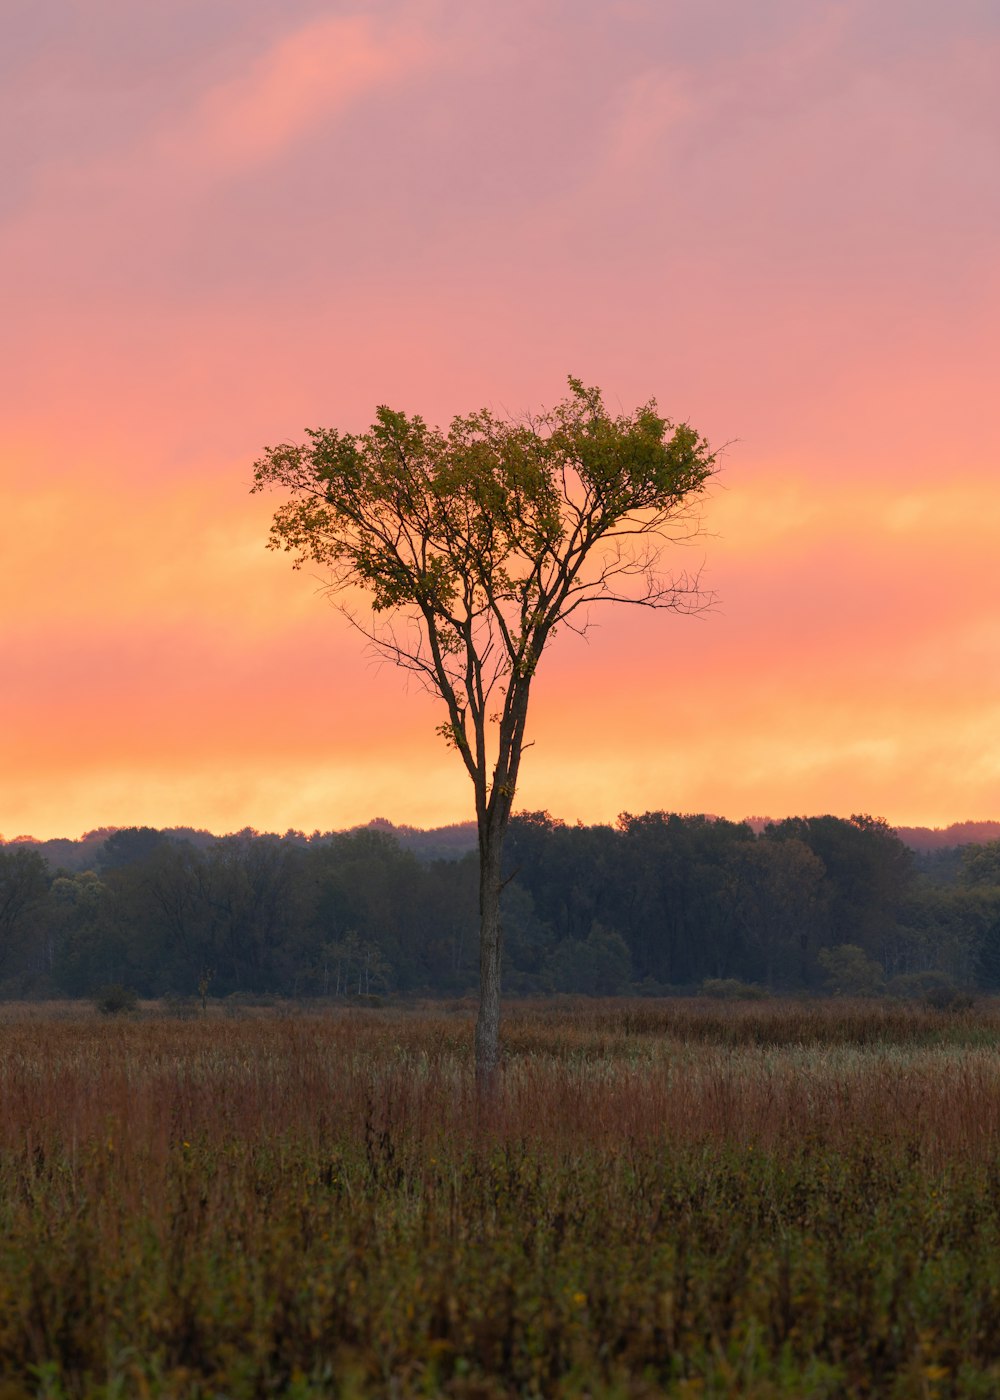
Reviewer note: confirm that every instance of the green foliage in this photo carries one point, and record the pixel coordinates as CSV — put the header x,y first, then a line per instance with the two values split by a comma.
x,y
777,894
128,845
690,899
943,998
23,883
598,965
481,504
869,870
919,986
986,951
116,1000
850,972
981,864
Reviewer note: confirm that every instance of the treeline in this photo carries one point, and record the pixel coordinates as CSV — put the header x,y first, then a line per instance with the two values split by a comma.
x,y
660,903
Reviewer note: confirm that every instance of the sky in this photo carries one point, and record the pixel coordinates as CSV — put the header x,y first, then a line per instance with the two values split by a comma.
x,y
225,221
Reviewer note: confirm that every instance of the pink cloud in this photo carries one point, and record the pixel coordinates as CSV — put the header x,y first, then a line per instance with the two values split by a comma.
x,y
301,81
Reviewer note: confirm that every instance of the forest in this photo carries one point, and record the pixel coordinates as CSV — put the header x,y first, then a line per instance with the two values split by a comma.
x,y
659,904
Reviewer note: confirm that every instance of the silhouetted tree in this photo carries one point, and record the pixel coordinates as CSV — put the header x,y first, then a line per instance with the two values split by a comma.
x,y
23,882
128,845
689,898
481,542
74,929
870,873
850,972
672,875
598,965
980,865
776,898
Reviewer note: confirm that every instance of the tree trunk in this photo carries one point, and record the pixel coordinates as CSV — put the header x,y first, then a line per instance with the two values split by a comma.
x,y
490,959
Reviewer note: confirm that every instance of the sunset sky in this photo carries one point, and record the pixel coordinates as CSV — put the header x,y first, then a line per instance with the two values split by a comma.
x,y
224,221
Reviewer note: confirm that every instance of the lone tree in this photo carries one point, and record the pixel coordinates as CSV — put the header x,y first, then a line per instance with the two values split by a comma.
x,y
475,546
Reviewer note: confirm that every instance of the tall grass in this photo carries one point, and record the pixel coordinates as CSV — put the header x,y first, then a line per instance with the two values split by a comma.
x,y
776,1199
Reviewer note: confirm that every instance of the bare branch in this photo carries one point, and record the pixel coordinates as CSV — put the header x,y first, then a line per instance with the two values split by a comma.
x,y
475,547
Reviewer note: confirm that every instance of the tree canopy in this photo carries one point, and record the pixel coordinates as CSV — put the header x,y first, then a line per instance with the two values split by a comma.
x,y
658,903
488,537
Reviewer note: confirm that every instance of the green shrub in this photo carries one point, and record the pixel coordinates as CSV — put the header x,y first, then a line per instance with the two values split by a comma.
x,y
181,1007
116,1000
850,972
918,986
933,988
948,999
732,989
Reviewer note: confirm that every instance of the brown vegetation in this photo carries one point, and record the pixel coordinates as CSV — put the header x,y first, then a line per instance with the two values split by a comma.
x,y
764,1199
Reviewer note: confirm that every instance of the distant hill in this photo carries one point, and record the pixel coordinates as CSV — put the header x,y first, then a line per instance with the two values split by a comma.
x,y
925,838
454,841
939,838
440,843
63,853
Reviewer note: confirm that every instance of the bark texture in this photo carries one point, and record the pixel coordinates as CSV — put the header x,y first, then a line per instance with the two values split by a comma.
x,y
490,962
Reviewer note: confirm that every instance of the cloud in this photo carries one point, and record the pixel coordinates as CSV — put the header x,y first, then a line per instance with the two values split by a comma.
x,y
293,88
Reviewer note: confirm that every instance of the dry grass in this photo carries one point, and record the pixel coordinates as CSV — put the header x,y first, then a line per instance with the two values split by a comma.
x,y
767,1199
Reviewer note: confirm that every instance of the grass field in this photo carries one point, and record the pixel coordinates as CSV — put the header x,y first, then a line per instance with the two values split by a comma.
x,y
768,1199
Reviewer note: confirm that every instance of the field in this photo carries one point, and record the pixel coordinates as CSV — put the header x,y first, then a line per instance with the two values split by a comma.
x,y
681,1198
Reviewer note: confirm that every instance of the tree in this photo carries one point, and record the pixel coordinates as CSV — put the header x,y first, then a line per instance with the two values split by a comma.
x,y
598,965
776,899
23,882
475,546
850,972
981,864
128,845
672,877
870,873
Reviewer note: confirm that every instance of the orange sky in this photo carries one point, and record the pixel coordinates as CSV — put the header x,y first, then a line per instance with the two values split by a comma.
x,y
221,224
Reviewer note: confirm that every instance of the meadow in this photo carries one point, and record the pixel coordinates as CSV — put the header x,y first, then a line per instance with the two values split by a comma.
x,y
682,1198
